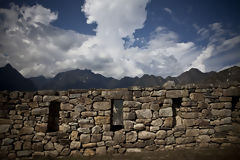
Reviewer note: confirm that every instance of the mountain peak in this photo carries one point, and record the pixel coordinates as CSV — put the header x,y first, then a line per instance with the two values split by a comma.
x,y
8,66
194,70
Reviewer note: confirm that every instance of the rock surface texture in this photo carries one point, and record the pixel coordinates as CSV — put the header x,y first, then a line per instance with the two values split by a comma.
x,y
182,117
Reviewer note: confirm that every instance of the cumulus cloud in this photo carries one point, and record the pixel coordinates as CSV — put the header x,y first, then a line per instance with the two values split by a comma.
x,y
34,46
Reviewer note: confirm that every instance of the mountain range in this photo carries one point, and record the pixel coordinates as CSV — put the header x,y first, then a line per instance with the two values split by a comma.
x,y
11,79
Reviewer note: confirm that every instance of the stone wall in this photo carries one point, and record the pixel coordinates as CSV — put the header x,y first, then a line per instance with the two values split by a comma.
x,y
80,122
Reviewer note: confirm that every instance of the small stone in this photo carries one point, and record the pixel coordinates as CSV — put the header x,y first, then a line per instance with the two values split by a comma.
x,y
197,97
51,153
24,153
161,134
131,136
26,130
75,145
146,135
66,107
157,122
139,126
132,150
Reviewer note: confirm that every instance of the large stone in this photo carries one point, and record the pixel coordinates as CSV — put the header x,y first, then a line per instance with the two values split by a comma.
x,y
131,136
85,138
157,122
64,128
40,111
217,105
221,113
37,146
146,135
102,120
24,153
51,153
170,140
159,93
176,93
96,137
50,98
161,134
223,128
58,147
89,145
144,114
42,127
192,132
75,145
22,107
133,150
233,91
26,130
7,141
49,146
185,140
37,98
132,104
101,150
203,139
89,152
169,85
189,115
197,97
101,106
166,112
4,128
66,107
119,137
129,115
168,123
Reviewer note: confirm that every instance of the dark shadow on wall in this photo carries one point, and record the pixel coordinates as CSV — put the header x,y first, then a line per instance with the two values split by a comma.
x,y
53,117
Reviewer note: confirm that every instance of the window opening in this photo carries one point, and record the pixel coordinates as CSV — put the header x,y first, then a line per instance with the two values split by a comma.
x,y
53,117
117,115
175,105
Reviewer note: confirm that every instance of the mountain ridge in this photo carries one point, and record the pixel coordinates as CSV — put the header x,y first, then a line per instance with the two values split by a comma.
x,y
85,79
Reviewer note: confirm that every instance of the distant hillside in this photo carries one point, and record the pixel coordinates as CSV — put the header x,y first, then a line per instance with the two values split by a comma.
x,y
11,79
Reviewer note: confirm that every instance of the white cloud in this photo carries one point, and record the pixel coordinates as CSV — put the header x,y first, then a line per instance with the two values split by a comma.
x,y
219,41
35,47
168,10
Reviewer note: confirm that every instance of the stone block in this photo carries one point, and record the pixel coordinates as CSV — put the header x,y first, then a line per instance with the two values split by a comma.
x,y
4,128
232,91
40,111
102,120
139,126
89,152
75,145
197,97
177,93
101,106
101,150
26,130
157,122
166,112
192,132
66,107
144,114
159,93
146,135
85,138
161,134
131,136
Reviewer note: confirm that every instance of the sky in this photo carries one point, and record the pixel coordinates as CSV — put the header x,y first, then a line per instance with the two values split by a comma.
x,y
118,38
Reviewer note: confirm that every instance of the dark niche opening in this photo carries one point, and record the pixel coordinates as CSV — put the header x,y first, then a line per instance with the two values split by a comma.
x,y
53,117
235,100
117,115
175,105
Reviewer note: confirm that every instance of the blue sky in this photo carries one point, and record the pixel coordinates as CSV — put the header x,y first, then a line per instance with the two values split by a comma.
x,y
119,38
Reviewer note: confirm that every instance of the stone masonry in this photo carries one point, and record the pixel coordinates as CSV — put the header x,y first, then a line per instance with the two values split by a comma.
x,y
183,117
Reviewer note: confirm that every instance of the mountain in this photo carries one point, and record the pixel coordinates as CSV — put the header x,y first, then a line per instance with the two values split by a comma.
x,y
11,79
84,79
